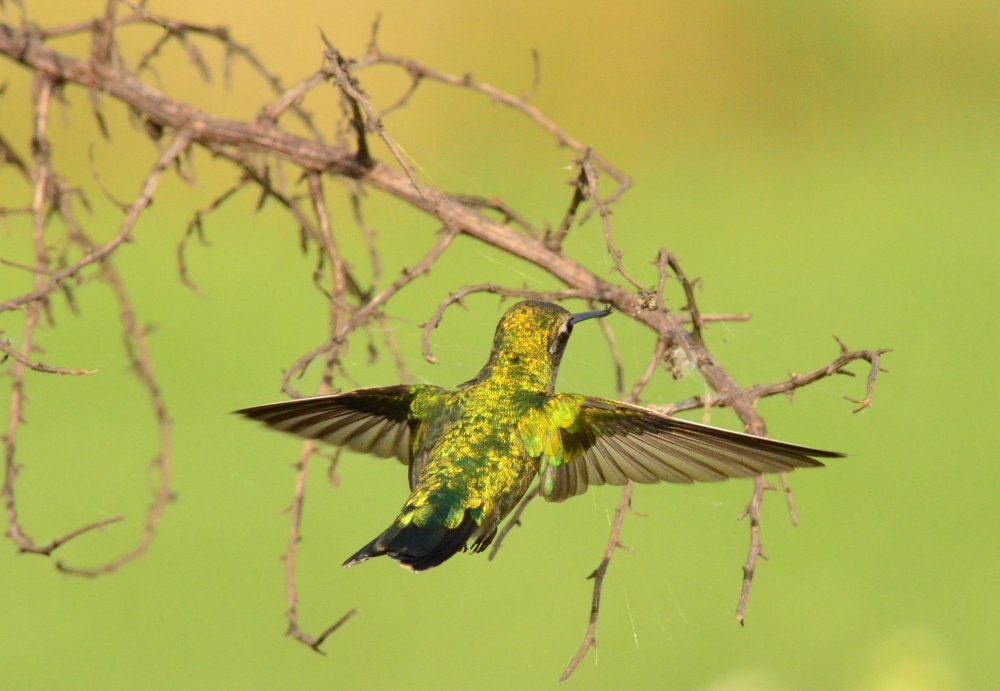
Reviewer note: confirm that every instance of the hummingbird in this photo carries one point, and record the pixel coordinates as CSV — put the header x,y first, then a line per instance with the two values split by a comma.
x,y
472,453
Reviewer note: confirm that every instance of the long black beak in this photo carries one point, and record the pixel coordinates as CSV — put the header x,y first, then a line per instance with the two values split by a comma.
x,y
583,316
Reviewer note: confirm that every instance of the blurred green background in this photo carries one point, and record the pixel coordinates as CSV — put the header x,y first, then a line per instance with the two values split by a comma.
x,y
829,167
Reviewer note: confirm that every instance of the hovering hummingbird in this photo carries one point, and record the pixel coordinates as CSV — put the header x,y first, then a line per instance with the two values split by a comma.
x,y
473,452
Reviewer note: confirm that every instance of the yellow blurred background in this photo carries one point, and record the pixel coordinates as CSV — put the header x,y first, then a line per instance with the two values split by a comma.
x,y
833,168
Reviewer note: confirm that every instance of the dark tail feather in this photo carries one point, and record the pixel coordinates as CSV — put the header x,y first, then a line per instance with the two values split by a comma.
x,y
418,547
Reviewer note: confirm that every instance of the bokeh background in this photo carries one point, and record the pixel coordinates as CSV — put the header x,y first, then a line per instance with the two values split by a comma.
x,y
833,168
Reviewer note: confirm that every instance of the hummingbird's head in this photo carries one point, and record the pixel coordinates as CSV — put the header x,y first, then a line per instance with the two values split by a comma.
x,y
530,340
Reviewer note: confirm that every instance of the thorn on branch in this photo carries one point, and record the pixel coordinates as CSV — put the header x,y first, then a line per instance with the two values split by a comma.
x,y
196,229
352,92
373,39
536,75
95,107
692,305
554,241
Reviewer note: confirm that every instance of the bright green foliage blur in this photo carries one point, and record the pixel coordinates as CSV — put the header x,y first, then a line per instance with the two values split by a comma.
x,y
832,168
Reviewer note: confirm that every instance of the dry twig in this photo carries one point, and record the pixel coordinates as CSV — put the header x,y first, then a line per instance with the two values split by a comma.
x,y
260,151
590,637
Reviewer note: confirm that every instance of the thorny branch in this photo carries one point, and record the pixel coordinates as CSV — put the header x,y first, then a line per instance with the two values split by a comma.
x,y
338,311
260,151
614,542
7,348
136,343
51,198
513,521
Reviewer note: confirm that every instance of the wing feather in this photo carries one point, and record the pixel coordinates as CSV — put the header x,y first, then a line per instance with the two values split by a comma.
x,y
375,420
613,443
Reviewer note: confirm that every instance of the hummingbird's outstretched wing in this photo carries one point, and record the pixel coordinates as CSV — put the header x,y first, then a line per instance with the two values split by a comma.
x,y
375,420
613,442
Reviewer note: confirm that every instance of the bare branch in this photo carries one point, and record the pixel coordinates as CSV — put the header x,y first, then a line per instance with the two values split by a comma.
x,y
793,383
508,214
655,361
9,157
536,75
580,188
42,177
104,34
368,235
132,214
616,357
418,72
793,515
590,638
590,176
7,348
270,113
358,101
291,171
692,305
337,313
196,229
298,500
513,521
369,310
136,343
756,552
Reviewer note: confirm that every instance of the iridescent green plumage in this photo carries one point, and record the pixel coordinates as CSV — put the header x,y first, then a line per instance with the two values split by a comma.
x,y
473,452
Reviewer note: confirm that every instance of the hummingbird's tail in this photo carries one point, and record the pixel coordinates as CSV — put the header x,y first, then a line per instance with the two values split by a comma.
x,y
418,547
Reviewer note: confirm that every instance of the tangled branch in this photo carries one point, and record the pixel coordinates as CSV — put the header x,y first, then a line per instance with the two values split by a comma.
x,y
259,152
